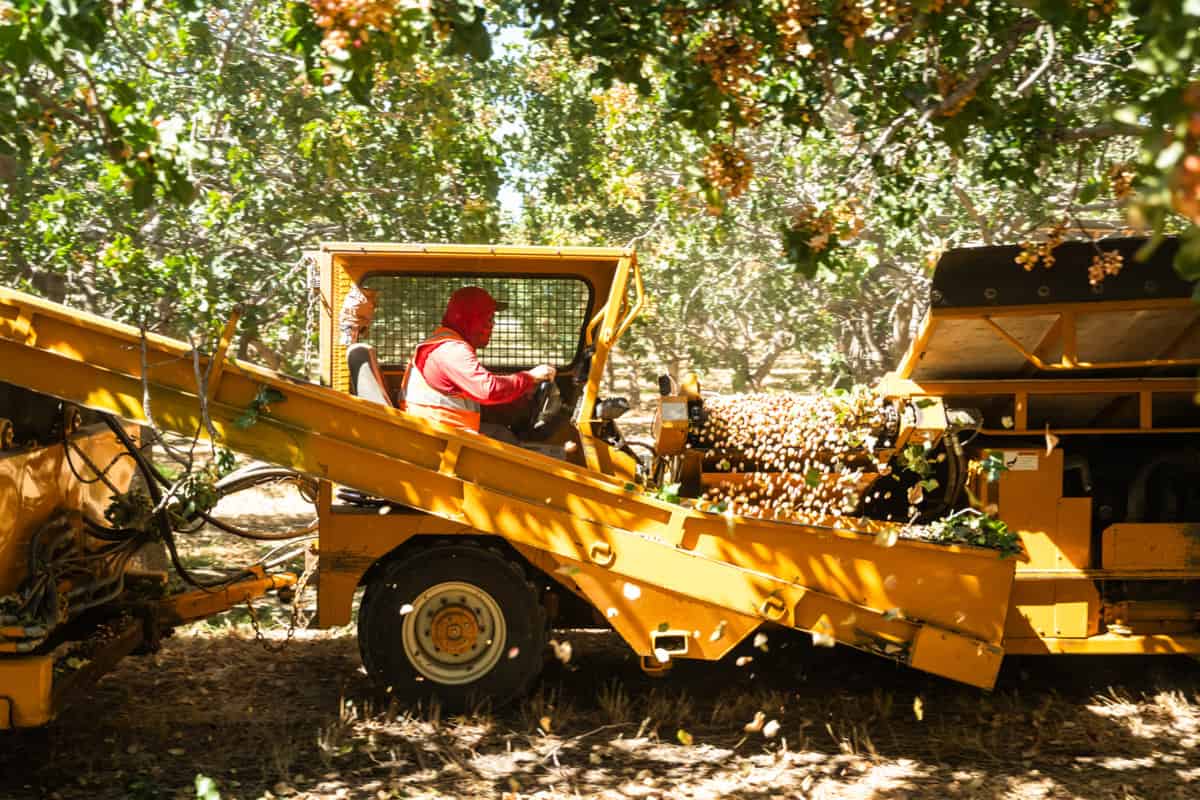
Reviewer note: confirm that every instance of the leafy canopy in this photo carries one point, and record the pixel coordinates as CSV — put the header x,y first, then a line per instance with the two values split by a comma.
x,y
1005,85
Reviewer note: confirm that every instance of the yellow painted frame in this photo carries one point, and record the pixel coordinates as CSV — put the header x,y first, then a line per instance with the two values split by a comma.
x,y
938,608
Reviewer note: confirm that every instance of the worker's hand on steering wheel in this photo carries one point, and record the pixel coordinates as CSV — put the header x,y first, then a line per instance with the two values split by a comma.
x,y
543,372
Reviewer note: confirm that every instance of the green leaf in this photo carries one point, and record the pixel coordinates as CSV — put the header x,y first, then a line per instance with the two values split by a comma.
x,y
1129,115
143,192
206,788
1170,155
1187,260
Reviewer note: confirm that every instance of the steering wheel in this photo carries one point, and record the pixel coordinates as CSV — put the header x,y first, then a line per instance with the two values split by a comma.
x,y
547,402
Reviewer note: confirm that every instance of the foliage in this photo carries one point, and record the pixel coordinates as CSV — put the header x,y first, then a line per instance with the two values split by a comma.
x,y
193,492
206,788
992,465
261,404
980,530
273,164
668,493
1014,88
130,510
162,163
615,166
914,458
1011,90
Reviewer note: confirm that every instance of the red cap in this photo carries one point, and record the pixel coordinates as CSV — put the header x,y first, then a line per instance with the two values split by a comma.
x,y
468,312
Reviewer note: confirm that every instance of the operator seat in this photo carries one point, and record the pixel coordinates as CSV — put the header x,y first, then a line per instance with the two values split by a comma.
x,y
366,381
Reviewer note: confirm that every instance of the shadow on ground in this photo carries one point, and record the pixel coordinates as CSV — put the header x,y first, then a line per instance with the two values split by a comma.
x,y
305,722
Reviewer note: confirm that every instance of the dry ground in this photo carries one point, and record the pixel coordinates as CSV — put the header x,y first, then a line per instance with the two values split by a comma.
x,y
306,722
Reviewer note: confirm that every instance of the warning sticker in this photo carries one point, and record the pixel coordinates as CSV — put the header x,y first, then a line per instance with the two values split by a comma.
x,y
1021,460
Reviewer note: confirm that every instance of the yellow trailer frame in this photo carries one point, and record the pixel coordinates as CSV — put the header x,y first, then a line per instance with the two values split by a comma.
x,y
37,485
1049,371
706,579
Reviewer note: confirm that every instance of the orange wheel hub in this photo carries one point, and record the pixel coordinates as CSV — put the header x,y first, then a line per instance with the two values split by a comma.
x,y
454,630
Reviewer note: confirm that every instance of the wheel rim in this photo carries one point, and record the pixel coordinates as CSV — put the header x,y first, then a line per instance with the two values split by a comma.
x,y
454,634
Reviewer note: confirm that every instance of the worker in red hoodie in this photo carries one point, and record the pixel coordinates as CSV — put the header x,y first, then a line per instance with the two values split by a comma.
x,y
445,382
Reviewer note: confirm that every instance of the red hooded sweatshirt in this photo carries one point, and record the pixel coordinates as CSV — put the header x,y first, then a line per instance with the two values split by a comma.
x,y
452,367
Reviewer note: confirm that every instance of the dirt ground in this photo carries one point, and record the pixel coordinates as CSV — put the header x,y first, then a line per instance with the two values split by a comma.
x,y
305,722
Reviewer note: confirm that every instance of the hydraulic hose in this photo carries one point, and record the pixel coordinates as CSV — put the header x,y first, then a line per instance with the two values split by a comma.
x,y
153,479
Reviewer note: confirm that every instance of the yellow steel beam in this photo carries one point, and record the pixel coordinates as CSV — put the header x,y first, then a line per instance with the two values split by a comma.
x,y
800,576
602,342
1019,430
1108,574
1086,307
32,693
26,684
1064,328
946,388
1107,644
1070,360
524,251
190,606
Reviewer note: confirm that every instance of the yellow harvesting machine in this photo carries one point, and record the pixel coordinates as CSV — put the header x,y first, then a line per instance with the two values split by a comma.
x,y
470,547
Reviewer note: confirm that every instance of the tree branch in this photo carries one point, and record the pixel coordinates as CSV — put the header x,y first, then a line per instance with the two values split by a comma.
x,y
233,37
965,89
1104,130
1027,85
985,231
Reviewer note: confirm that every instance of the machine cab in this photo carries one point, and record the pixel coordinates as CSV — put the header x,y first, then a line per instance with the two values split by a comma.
x,y
560,306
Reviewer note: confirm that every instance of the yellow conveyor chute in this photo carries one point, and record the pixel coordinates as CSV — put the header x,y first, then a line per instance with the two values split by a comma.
x,y
938,608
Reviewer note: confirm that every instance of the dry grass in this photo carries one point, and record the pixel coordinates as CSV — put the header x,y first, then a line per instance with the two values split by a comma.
x,y
548,710
307,722
668,709
615,703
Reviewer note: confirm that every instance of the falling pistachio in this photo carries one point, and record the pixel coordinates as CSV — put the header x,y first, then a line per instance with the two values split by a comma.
x,y
562,650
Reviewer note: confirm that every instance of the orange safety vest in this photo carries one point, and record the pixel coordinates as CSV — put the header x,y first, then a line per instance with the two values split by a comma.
x,y
452,410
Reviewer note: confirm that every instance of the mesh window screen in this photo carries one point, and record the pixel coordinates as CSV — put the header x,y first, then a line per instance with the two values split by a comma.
x,y
543,323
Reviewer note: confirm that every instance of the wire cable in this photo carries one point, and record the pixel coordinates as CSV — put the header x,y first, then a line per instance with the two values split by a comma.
x,y
166,533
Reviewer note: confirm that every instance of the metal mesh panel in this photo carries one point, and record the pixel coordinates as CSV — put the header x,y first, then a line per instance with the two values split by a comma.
x,y
543,323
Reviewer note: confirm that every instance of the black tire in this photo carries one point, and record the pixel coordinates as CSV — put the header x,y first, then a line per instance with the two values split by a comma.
x,y
381,621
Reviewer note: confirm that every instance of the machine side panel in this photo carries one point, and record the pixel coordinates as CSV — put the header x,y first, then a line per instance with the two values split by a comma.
x,y
37,483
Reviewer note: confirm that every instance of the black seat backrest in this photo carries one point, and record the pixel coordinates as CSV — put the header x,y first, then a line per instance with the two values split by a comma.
x,y
366,381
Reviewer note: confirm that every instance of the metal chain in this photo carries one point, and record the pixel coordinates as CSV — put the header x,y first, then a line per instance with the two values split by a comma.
x,y
313,280
311,560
